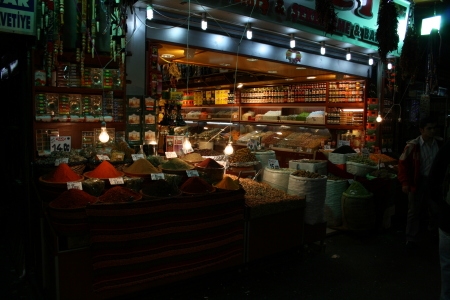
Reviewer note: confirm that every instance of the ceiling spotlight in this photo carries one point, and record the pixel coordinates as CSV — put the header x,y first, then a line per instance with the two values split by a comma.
x,y
292,43
348,56
240,85
323,50
249,31
370,60
389,66
204,22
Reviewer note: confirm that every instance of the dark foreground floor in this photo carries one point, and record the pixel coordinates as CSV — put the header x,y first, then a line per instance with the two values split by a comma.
x,y
351,266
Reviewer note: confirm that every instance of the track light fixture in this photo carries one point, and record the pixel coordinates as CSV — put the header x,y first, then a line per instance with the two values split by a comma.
x,y
204,22
323,50
348,56
292,42
149,12
249,31
370,60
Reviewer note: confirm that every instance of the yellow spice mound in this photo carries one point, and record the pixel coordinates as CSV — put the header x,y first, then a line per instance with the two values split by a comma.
x,y
227,184
142,166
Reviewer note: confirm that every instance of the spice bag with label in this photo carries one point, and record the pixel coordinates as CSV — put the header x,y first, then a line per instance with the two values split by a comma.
x,y
358,208
313,187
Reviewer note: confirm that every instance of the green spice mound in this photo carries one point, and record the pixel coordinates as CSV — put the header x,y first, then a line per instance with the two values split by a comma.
x,y
176,164
356,189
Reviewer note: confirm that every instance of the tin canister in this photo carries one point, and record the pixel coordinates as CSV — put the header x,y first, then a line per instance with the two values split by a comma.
x,y
40,78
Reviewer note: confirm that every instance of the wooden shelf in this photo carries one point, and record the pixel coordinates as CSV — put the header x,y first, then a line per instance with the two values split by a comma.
x,y
75,90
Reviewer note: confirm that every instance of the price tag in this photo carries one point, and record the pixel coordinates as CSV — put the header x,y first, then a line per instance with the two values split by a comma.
x,y
157,176
102,157
389,150
345,143
171,154
116,181
382,165
270,146
326,147
298,149
365,152
384,150
137,156
192,173
64,160
309,150
74,185
273,163
252,144
350,181
357,150
60,143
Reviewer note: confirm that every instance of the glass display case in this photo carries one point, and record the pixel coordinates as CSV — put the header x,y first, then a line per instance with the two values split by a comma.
x,y
293,138
286,114
211,113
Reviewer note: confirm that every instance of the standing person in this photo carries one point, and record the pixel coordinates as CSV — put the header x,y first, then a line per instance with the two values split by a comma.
x,y
440,192
413,170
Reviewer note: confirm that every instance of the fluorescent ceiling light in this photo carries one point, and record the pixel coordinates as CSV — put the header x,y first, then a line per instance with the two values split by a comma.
x,y
311,77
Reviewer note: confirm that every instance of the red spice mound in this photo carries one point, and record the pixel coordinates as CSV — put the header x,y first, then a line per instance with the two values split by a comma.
x,y
73,198
196,185
104,170
62,173
210,163
119,194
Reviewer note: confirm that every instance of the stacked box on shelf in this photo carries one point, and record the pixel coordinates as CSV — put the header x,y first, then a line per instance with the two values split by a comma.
x,y
133,119
371,124
149,120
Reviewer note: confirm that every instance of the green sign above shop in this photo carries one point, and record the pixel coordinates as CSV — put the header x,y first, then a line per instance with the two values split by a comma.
x,y
356,20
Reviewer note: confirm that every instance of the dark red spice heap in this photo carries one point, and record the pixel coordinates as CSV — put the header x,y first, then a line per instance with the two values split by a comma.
x,y
210,163
104,170
62,173
73,198
196,185
119,194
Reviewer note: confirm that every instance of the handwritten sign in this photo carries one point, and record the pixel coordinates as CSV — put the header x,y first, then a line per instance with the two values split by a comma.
x,y
74,185
64,160
171,154
192,173
102,157
60,143
157,176
116,181
137,156
273,163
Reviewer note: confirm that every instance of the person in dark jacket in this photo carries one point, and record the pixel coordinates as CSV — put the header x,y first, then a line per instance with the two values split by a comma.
x,y
413,170
440,193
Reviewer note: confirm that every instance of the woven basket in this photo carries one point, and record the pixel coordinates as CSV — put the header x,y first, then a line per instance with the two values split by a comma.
x,y
359,169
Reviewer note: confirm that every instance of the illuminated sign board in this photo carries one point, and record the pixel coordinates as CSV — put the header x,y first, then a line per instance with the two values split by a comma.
x,y
18,16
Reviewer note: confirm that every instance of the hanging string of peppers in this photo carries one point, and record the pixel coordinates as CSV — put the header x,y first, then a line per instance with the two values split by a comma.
x,y
411,50
386,34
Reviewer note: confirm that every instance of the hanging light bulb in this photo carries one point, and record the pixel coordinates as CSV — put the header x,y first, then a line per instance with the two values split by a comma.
x,y
228,149
370,60
149,12
249,31
348,56
323,50
389,66
187,147
292,42
204,22
379,118
104,136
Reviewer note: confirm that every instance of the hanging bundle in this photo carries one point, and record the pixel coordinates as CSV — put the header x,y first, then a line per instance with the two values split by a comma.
x,y
326,15
387,35
410,53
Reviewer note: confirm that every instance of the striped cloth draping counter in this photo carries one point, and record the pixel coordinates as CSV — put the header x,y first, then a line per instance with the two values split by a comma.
x,y
147,241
